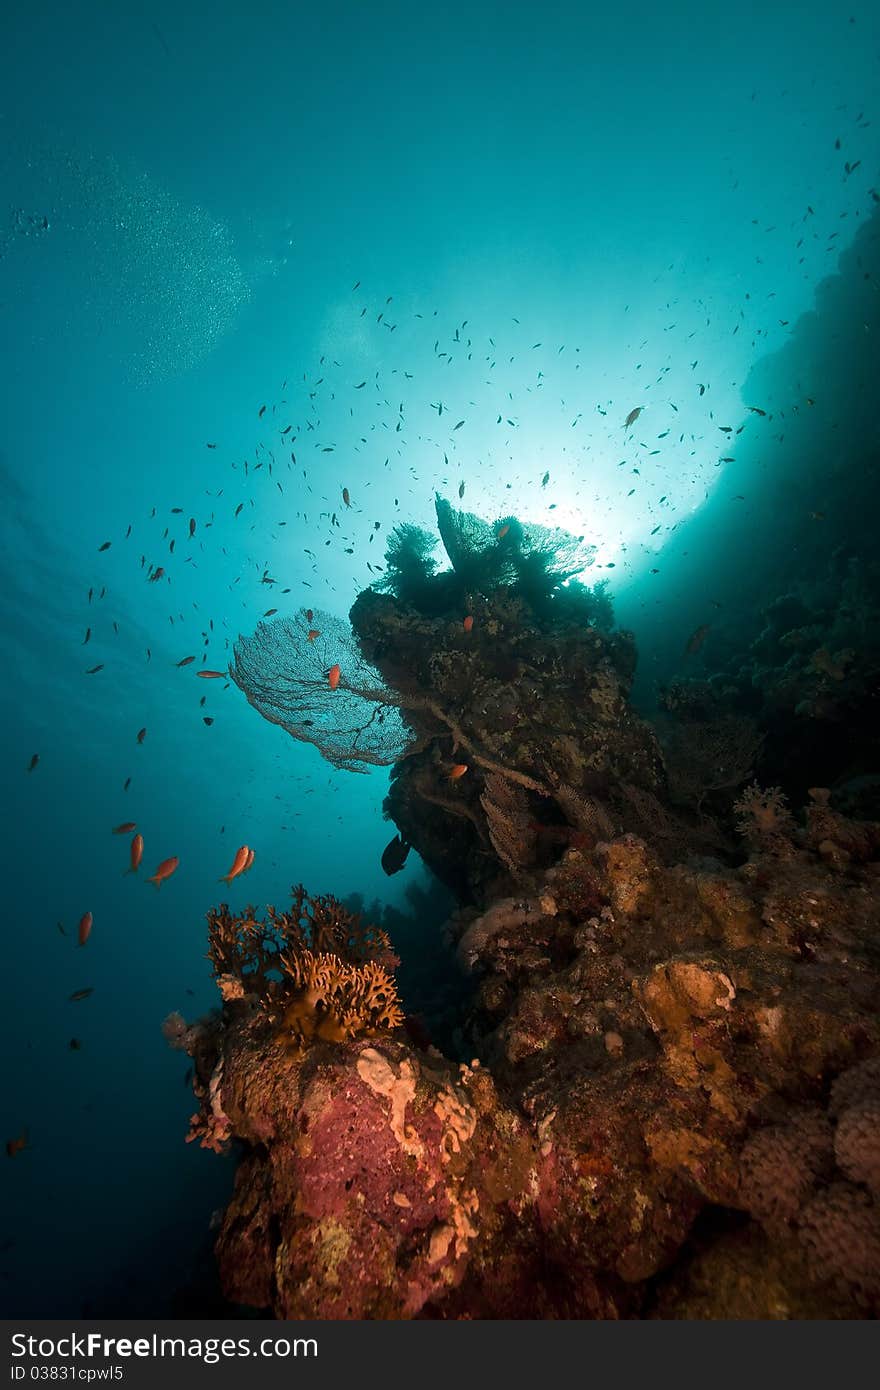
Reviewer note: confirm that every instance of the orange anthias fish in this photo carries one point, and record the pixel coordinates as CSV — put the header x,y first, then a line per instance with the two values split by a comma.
x,y
502,531
15,1146
333,676
125,828
696,639
250,860
85,928
136,854
239,864
468,623
457,770
211,675
165,870
313,633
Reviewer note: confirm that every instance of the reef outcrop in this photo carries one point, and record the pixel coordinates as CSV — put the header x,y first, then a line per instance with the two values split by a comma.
x,y
662,1097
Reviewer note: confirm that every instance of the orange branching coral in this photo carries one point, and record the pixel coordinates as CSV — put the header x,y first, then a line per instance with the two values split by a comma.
x,y
334,999
318,969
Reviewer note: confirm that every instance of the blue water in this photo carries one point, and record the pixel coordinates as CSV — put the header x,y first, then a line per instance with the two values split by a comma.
x,y
551,215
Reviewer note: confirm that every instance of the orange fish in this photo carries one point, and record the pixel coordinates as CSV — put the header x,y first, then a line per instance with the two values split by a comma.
x,y
457,770
142,733
333,676
211,675
696,639
250,860
313,633
239,864
503,530
468,623
125,828
136,854
15,1146
85,927
165,870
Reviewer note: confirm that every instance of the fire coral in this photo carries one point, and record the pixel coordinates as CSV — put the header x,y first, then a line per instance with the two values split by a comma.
x,y
319,971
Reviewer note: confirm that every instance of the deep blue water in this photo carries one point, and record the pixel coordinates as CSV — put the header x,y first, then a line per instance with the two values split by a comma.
x,y
551,215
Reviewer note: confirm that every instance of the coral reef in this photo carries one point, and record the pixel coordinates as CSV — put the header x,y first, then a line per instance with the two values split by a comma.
x,y
659,1091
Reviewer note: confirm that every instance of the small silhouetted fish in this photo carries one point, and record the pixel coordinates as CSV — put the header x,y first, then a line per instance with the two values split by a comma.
x,y
206,719
262,412
142,733
185,661
545,480
93,670
81,994
74,1044
33,762
87,636
461,488
269,611
105,546
394,855
633,416
458,426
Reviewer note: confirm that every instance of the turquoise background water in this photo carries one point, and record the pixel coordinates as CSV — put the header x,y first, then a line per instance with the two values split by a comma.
x,y
552,215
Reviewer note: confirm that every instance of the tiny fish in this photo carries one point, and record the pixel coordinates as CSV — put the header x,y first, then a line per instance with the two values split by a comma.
x,y
461,488
468,622
211,675
33,762
313,633
206,719
81,994
87,636
141,735
136,854
125,828
269,612
457,770
105,546
346,496
185,661
502,531
458,426
74,1045
696,639
15,1146
165,870
633,416
238,864
192,527
126,784
85,928
545,480
333,676
93,670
